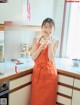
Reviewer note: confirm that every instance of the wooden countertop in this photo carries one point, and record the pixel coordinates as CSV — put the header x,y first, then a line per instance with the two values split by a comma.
x,y
64,67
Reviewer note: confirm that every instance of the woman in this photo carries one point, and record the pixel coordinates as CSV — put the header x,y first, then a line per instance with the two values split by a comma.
x,y
44,78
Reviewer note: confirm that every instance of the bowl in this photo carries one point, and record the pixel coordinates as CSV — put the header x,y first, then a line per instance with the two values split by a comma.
x,y
76,62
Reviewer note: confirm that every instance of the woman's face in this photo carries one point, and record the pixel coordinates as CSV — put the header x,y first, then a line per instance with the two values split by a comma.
x,y
47,28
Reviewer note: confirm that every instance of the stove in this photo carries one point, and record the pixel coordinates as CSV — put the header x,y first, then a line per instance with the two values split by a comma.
x,y
4,90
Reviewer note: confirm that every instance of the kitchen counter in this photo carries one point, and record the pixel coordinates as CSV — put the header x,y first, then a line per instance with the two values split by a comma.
x,y
9,71
63,65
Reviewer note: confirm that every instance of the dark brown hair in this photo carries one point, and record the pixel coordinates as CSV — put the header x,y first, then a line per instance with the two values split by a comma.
x,y
48,20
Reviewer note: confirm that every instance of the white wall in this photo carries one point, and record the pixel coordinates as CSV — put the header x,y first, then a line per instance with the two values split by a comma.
x,y
17,10
40,9
10,10
13,39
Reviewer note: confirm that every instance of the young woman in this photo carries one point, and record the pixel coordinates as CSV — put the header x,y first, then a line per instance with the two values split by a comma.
x,y
44,78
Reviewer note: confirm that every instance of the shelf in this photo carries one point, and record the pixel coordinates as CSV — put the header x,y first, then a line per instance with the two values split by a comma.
x,y
29,27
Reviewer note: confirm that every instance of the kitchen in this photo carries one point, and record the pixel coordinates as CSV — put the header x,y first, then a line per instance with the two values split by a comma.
x,y
17,77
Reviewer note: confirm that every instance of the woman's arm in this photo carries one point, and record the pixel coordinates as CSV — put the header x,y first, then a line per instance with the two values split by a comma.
x,y
52,50
35,52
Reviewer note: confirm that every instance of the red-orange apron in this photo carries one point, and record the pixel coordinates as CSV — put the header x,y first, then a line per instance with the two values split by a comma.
x,y
44,80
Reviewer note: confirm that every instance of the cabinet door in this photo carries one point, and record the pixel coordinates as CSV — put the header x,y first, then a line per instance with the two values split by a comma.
x,y
76,97
21,96
76,93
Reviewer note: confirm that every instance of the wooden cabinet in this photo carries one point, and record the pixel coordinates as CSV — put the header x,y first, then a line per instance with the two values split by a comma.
x,y
68,90
20,90
64,94
76,93
76,97
20,97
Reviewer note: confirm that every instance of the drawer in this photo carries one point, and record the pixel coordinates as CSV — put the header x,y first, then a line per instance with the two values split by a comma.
x,y
63,100
19,81
77,83
65,79
64,90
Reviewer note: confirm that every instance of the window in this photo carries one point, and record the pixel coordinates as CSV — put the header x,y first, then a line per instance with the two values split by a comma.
x,y
73,40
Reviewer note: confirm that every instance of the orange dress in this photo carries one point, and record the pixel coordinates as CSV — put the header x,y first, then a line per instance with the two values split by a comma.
x,y
44,80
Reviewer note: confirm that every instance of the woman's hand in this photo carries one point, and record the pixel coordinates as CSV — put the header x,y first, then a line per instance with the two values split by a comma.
x,y
46,36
